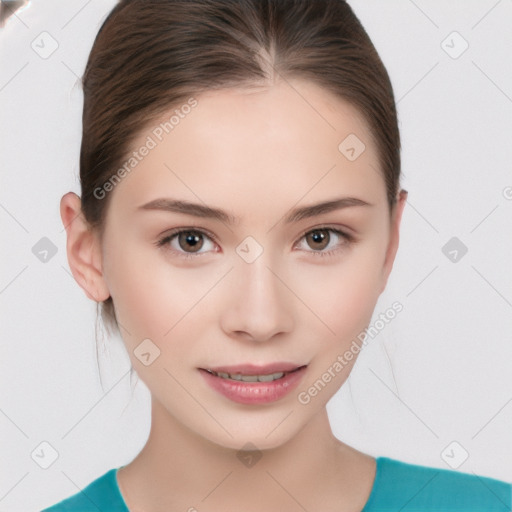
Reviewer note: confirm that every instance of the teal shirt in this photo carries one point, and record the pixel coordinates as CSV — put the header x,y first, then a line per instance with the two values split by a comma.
x,y
398,487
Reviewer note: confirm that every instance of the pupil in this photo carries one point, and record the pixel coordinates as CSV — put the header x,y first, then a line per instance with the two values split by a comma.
x,y
192,240
320,236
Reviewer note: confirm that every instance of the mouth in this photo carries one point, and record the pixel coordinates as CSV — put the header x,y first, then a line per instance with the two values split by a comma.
x,y
257,377
251,385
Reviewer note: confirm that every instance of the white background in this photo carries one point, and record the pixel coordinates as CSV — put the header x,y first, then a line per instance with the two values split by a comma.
x,y
438,373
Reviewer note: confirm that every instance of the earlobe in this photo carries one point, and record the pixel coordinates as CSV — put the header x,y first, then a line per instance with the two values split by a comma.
x,y
83,249
394,237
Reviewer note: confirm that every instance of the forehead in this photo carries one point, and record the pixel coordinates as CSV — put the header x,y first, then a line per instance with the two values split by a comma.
x,y
264,144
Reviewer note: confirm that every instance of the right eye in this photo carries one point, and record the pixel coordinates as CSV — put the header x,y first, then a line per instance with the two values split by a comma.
x,y
181,239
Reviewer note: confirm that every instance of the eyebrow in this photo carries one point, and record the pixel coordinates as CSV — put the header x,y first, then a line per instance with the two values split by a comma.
x,y
208,212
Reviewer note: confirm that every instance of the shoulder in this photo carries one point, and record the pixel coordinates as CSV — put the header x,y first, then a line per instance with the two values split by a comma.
x,y
101,494
413,488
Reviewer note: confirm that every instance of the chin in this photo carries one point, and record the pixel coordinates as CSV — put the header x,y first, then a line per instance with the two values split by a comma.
x,y
251,441
247,435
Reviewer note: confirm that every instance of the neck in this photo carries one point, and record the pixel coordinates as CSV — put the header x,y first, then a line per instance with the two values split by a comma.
x,y
183,469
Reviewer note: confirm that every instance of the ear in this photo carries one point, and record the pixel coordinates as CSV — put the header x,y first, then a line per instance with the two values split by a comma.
x,y
83,249
396,217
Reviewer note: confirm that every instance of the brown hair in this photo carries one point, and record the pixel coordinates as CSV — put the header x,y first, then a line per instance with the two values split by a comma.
x,y
150,55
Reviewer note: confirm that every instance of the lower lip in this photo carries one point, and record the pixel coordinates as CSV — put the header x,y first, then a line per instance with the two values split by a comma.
x,y
254,392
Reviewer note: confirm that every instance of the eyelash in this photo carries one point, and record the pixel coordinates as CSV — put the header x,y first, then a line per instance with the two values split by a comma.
x,y
349,239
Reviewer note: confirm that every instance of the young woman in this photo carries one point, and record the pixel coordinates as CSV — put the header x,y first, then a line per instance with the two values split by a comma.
x,y
239,218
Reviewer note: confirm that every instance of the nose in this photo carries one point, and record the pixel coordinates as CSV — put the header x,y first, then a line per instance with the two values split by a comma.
x,y
259,304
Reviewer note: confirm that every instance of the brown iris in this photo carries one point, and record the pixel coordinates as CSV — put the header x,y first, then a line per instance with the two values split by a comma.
x,y
192,238
319,236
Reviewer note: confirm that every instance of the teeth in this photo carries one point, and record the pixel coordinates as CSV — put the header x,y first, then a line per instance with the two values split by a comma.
x,y
249,378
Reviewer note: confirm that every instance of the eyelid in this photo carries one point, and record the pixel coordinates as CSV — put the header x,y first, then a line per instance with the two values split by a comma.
x,y
349,239
345,231
342,232
165,240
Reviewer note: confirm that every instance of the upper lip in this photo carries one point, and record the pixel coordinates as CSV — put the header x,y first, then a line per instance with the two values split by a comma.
x,y
252,369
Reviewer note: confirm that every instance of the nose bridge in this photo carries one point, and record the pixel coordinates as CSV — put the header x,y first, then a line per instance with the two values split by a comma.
x,y
261,305
258,280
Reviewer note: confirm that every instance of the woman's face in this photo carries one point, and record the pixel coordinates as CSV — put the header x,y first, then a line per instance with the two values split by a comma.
x,y
269,281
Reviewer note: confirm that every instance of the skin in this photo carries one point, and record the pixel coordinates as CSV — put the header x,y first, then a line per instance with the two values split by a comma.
x,y
256,153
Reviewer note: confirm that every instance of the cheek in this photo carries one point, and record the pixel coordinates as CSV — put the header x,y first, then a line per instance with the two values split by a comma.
x,y
345,308
145,304
343,295
154,299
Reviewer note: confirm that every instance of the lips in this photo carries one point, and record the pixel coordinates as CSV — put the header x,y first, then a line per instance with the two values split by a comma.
x,y
252,369
259,377
254,373
250,384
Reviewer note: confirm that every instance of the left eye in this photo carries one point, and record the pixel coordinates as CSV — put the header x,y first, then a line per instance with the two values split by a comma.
x,y
318,240
183,237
